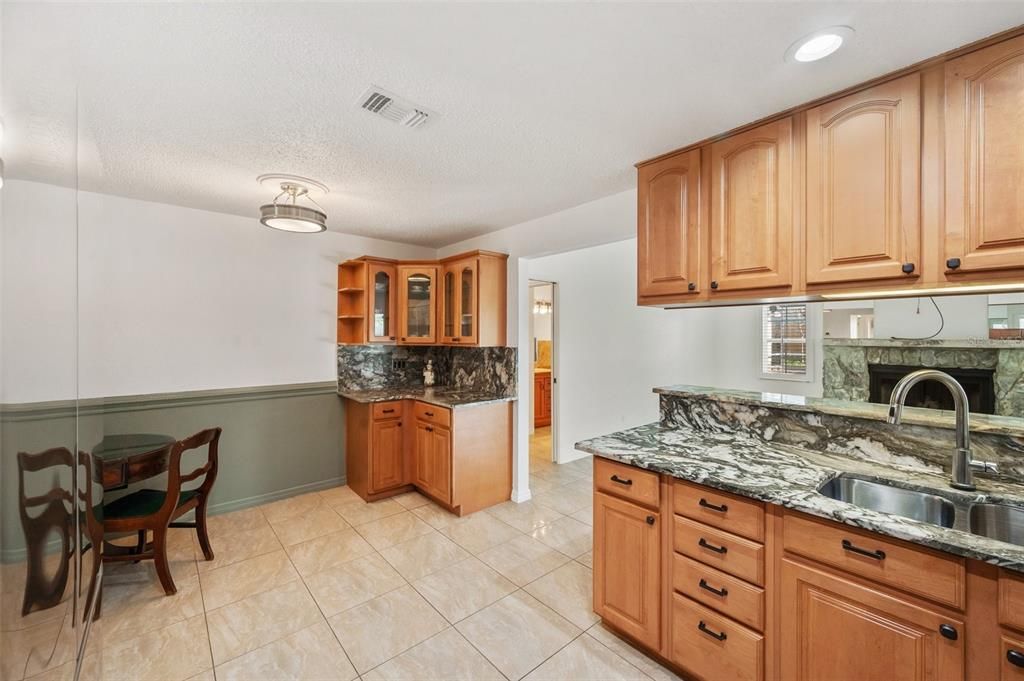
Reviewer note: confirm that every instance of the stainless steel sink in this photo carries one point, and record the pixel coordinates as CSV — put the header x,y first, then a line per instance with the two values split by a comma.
x,y
879,496
998,521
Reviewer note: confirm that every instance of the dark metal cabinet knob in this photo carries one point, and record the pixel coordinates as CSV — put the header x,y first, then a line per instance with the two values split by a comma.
x,y
949,632
908,268
953,263
1015,657
714,284
691,286
393,338
650,520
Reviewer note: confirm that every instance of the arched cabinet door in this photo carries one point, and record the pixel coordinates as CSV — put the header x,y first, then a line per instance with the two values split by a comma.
x,y
417,303
752,209
984,126
382,303
864,185
668,226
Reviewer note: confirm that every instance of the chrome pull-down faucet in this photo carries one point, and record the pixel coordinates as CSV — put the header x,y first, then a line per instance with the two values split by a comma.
x,y
963,466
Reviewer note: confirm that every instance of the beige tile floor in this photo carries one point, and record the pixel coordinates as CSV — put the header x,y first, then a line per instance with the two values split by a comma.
x,y
325,586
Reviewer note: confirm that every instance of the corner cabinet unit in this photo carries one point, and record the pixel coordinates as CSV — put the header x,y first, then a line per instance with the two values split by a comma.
x,y
720,586
461,458
910,182
456,301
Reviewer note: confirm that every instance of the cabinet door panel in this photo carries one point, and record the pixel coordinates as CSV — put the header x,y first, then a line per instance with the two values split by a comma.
x,y
627,568
752,208
422,456
382,299
668,226
417,302
985,158
386,462
441,463
836,629
863,184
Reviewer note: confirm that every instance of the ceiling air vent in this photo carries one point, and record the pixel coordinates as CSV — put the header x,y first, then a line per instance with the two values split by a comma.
x,y
388,105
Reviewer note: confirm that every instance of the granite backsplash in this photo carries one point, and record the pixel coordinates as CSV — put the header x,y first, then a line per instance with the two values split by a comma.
x,y
373,367
916,446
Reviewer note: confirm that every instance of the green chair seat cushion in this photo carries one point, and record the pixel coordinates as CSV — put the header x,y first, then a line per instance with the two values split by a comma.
x,y
143,503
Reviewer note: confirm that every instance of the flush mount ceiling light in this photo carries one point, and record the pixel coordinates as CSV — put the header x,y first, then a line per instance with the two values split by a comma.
x,y
288,215
819,44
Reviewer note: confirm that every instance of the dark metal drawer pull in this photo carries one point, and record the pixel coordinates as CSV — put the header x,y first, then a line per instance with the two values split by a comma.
x,y
717,549
389,411
619,480
949,632
1015,657
720,635
723,592
712,507
878,554
428,413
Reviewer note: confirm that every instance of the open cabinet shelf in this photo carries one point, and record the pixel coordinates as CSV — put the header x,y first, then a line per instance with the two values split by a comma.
x,y
352,302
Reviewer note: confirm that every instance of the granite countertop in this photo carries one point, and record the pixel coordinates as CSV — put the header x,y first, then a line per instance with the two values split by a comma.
x,y
980,423
789,476
439,395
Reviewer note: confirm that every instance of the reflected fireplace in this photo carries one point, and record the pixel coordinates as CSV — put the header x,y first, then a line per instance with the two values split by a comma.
x,y
978,384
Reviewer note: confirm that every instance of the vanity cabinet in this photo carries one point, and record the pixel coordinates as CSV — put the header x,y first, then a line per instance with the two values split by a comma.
x,y
910,182
864,185
461,458
669,227
752,209
984,135
541,399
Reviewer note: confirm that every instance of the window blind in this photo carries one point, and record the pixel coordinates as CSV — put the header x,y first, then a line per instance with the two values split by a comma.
x,y
784,340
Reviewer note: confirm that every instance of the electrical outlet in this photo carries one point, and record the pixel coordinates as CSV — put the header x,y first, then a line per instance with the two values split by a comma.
x,y
398,364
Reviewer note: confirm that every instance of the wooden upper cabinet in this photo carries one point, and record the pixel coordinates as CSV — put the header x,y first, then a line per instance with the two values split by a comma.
x,y
460,302
984,127
752,176
382,302
864,185
668,226
833,627
417,304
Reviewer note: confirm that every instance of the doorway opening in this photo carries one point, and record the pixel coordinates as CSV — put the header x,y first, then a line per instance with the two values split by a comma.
x,y
542,385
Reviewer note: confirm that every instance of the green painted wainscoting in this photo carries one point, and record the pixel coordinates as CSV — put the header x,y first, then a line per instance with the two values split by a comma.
x,y
278,441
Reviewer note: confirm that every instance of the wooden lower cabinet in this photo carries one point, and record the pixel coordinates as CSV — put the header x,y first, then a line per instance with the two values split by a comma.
x,y
836,628
461,458
789,608
541,399
433,461
627,580
387,463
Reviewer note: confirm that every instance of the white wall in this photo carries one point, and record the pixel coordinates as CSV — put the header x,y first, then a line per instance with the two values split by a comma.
x,y
965,317
171,298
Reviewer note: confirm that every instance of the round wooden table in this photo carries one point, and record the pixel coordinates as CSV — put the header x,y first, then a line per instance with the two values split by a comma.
x,y
123,459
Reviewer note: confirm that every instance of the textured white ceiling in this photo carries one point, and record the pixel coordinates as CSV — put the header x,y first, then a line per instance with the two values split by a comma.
x,y
542,106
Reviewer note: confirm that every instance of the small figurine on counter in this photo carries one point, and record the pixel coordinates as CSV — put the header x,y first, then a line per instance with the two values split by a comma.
x,y
428,373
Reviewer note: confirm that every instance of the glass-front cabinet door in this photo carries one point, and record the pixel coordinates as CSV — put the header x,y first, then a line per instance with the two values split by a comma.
x,y
459,302
417,304
382,303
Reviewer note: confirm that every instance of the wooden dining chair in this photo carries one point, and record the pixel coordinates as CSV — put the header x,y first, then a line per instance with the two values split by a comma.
x,y
151,510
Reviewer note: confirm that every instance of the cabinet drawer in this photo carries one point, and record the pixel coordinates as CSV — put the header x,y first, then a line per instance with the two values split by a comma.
x,y
387,410
711,646
922,572
1011,600
431,413
627,482
735,555
729,512
1011,653
719,591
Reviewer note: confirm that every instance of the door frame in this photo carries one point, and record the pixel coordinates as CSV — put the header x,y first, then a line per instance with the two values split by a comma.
x,y
531,284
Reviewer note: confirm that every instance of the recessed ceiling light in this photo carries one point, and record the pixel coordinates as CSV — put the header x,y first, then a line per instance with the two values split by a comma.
x,y
819,44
